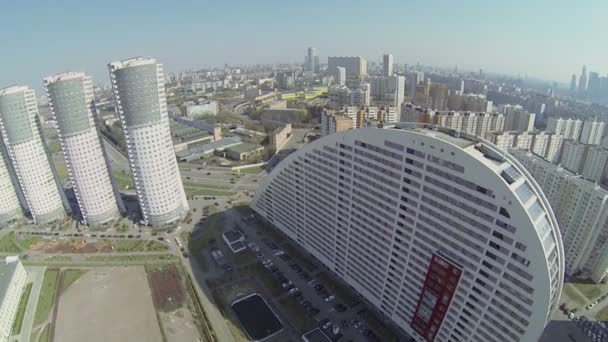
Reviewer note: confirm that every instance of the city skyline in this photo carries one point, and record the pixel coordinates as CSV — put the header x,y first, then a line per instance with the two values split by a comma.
x,y
497,40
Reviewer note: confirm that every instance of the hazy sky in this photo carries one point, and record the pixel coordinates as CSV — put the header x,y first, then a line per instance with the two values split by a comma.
x,y
549,39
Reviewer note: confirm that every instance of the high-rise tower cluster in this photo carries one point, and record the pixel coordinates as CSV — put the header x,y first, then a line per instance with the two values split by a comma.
x,y
28,180
73,111
29,159
139,91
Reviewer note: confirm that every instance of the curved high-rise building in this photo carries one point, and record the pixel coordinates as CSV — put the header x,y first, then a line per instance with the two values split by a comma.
x,y
73,110
10,208
445,235
139,91
20,128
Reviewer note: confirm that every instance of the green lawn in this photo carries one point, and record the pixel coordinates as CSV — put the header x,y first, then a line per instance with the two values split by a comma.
x,y
139,246
27,241
206,186
200,191
45,334
602,315
157,267
152,258
574,295
122,180
54,147
70,276
251,170
62,172
122,225
591,291
155,246
47,296
21,309
8,244
185,237
59,258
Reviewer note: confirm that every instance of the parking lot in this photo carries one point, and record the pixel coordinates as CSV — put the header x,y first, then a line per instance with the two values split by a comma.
x,y
307,286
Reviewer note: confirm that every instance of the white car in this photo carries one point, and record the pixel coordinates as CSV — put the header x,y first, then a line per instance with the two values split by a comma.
x,y
286,284
329,298
294,290
327,325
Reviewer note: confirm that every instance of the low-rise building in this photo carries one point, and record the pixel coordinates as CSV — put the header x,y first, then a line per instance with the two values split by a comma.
x,y
12,283
280,136
235,241
203,108
202,151
243,151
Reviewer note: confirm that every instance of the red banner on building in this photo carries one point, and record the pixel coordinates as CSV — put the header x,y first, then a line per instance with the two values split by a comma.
x,y
439,286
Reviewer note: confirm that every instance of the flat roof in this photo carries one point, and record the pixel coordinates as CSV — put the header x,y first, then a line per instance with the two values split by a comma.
x,y
258,319
315,335
232,236
244,148
7,270
460,142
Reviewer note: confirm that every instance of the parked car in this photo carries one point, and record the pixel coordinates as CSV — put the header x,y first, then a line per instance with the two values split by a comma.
x,y
329,298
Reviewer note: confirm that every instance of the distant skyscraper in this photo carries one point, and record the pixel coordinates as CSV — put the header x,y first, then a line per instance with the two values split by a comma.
x,y
340,76
518,119
356,67
21,132
387,66
312,60
582,83
73,111
573,83
569,129
139,91
593,87
592,132
412,80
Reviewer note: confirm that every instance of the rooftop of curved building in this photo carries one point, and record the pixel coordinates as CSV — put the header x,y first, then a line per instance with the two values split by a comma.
x,y
15,89
64,76
133,62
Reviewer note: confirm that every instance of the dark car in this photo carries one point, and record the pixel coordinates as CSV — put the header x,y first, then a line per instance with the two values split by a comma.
x,y
340,307
323,321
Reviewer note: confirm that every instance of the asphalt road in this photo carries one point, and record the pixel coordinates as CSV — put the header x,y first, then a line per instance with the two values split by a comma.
x,y
118,162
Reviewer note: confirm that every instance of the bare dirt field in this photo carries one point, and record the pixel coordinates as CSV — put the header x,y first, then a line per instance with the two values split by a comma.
x,y
167,290
179,326
108,304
